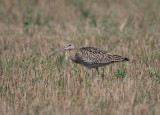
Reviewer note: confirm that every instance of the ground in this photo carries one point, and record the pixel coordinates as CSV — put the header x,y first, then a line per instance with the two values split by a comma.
x,y
33,83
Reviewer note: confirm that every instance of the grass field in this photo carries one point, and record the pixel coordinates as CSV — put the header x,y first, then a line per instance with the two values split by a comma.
x,y
32,83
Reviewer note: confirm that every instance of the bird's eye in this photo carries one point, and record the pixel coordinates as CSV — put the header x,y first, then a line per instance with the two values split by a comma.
x,y
69,45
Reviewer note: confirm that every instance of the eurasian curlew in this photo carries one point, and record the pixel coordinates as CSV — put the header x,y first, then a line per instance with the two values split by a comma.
x,y
91,57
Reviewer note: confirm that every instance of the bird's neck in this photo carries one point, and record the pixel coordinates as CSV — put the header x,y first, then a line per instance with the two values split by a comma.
x,y
72,54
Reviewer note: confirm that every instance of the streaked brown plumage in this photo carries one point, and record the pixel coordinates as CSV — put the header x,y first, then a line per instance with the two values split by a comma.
x,y
91,57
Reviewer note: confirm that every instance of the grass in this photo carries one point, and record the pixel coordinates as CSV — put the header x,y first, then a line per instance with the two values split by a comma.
x,y
33,83
120,73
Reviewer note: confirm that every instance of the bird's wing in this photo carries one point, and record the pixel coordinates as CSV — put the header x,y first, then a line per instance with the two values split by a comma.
x,y
92,55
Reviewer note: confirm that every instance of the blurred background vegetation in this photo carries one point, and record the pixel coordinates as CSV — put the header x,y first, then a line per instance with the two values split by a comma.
x,y
31,83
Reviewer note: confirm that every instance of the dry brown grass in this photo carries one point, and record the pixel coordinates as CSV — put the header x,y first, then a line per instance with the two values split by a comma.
x,y
31,83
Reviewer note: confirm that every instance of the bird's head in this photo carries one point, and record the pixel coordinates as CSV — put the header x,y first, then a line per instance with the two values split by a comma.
x,y
67,47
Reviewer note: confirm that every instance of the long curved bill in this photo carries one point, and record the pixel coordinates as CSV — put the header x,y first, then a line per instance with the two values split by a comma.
x,y
58,51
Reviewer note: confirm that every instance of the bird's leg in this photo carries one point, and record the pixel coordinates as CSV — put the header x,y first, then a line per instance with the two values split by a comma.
x,y
97,71
103,72
90,72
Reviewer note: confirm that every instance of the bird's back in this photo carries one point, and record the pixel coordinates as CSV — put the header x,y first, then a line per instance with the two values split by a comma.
x,y
93,57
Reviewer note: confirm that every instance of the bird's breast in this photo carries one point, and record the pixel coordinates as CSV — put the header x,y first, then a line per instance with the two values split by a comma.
x,y
72,55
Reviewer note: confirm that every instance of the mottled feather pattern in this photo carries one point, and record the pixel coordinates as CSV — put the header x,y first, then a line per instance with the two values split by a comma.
x,y
117,58
96,56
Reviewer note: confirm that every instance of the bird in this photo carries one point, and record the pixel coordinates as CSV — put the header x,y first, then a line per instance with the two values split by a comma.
x,y
91,57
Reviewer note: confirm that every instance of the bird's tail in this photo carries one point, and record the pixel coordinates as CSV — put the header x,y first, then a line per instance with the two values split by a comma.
x,y
117,58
